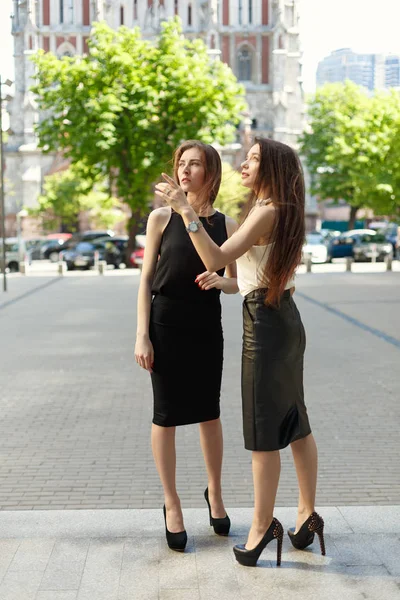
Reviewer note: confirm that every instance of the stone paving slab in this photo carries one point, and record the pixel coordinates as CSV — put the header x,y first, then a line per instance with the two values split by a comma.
x,y
122,554
76,410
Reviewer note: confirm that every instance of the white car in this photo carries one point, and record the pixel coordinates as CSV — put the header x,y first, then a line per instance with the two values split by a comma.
x,y
315,247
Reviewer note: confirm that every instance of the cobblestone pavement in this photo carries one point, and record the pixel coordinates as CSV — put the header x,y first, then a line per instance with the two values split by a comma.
x,y
76,410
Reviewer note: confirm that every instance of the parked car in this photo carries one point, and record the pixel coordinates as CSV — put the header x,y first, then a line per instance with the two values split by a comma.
x,y
359,244
392,234
328,234
86,236
45,249
120,241
137,255
315,247
82,254
14,254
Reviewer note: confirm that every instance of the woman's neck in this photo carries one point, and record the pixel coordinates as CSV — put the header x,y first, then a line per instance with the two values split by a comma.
x,y
201,210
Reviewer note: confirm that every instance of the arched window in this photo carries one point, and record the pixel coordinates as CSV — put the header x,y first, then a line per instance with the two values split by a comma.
x,y
245,64
250,11
121,15
135,14
176,7
190,15
240,15
65,49
62,11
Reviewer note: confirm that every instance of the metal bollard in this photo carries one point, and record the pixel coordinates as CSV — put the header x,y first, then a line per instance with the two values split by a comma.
x,y
308,262
61,267
349,262
102,266
389,261
23,267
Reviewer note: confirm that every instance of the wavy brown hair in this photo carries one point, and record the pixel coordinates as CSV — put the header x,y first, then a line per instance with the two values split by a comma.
x,y
280,175
213,171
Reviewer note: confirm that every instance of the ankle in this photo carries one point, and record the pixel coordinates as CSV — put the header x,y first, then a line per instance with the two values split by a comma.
x,y
305,512
261,524
172,502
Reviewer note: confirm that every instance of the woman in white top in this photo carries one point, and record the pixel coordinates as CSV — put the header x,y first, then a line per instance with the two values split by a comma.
x,y
267,248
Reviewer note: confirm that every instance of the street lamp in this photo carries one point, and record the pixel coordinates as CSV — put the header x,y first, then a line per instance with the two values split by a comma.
x,y
3,210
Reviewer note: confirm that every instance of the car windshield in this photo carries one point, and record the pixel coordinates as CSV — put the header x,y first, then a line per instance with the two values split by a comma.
x,y
84,247
379,238
314,238
11,247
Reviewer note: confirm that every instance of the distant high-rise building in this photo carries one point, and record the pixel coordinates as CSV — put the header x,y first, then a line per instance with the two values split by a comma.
x,y
367,70
392,71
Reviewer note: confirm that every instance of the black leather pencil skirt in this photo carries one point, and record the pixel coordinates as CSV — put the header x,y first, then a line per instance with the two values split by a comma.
x,y
274,413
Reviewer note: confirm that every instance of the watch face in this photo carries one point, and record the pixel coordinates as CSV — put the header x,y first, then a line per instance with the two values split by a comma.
x,y
193,227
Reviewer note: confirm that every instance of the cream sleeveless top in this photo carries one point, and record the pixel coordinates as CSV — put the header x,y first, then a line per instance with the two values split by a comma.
x,y
250,269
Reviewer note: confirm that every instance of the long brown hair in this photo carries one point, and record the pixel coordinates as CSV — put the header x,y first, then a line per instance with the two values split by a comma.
x,y
280,175
213,171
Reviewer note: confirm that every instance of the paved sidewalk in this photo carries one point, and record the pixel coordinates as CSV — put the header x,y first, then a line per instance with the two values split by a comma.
x,y
76,409
122,555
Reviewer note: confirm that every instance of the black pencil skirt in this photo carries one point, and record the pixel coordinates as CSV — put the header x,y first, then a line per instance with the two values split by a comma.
x,y
188,355
274,413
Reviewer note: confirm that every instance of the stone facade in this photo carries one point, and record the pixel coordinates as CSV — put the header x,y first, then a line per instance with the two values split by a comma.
x,y
259,39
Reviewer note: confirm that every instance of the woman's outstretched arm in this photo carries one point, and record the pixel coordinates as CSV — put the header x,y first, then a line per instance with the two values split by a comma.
x,y
257,225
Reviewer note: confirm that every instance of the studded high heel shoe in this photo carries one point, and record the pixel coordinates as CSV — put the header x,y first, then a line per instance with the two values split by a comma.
x,y
249,558
221,526
305,536
175,541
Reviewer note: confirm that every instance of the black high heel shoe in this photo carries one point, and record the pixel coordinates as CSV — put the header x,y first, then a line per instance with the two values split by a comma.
x,y
305,536
249,558
175,541
221,526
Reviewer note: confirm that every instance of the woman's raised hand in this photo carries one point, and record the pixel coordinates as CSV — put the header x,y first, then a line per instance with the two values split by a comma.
x,y
172,193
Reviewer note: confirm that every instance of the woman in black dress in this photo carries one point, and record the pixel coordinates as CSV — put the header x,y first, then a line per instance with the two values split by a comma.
x,y
267,248
184,356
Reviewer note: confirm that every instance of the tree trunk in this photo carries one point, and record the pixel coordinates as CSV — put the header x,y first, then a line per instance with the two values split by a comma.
x,y
133,227
353,214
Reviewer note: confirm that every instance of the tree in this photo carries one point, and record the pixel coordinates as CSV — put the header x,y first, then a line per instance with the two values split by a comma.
x,y
232,195
120,111
66,195
348,144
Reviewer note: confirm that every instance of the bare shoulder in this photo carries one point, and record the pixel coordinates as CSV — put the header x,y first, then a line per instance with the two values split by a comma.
x,y
231,225
159,217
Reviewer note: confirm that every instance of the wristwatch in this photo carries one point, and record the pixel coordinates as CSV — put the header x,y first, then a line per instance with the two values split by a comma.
x,y
194,226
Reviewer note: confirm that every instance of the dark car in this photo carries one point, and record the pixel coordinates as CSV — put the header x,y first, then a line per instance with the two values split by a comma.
x,y
120,241
359,244
45,249
82,255
392,234
86,236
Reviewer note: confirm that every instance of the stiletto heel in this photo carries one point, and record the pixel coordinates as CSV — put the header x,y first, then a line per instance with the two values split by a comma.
x,y
320,534
279,549
305,536
175,541
249,558
221,526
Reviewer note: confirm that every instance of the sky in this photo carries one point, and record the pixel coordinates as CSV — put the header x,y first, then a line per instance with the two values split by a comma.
x,y
325,25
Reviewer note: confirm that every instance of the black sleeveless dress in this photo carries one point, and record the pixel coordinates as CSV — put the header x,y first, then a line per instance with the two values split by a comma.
x,y
185,329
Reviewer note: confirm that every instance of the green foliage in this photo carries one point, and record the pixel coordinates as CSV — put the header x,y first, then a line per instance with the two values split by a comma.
x,y
350,147
66,195
232,194
120,111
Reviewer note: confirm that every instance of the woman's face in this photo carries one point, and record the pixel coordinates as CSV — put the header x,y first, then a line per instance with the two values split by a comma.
x,y
191,170
250,167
